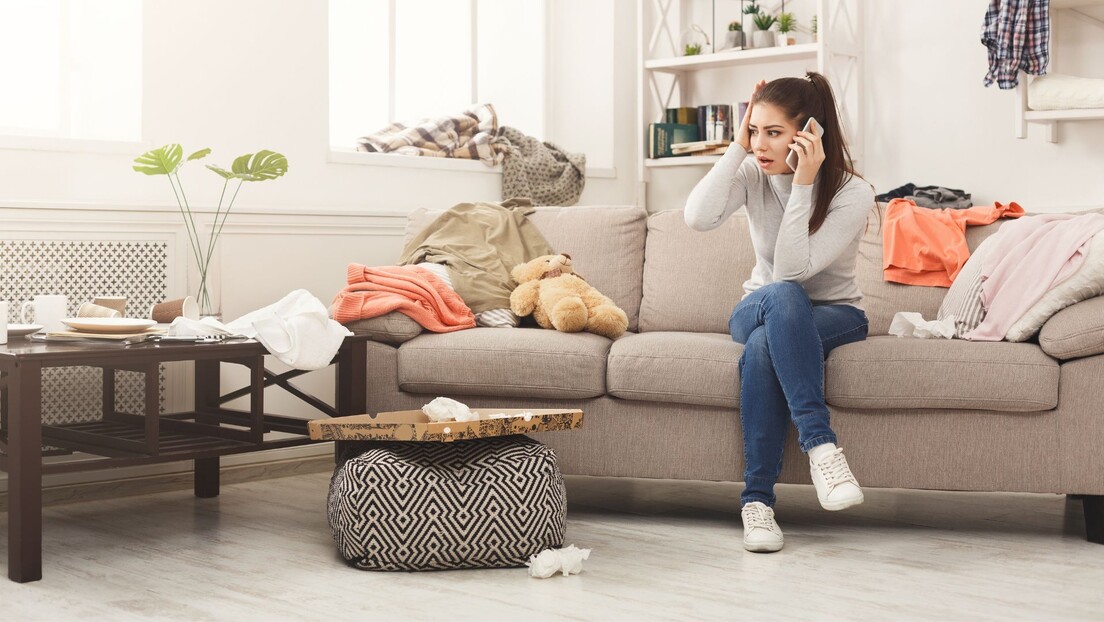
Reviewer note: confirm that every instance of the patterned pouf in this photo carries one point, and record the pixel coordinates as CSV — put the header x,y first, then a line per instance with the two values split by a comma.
x,y
483,503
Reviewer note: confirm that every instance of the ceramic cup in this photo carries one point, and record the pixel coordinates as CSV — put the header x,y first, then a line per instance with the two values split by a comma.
x,y
166,312
3,322
117,303
46,309
89,309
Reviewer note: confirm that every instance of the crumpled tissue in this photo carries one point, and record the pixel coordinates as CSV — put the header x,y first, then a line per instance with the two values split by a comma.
x,y
911,324
568,560
446,409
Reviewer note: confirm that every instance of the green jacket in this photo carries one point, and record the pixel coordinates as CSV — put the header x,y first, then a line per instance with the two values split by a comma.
x,y
480,243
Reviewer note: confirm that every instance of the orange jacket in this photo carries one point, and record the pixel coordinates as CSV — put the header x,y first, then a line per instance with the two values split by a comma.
x,y
925,246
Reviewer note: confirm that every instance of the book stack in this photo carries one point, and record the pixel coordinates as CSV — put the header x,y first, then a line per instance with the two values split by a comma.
x,y
661,137
701,147
715,122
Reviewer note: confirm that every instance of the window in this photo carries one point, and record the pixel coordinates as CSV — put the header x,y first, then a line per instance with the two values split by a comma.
x,y
71,69
404,60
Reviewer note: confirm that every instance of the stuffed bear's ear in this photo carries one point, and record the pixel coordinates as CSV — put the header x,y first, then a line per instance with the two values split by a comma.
x,y
528,271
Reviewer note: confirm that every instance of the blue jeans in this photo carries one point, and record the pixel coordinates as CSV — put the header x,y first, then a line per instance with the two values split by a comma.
x,y
786,340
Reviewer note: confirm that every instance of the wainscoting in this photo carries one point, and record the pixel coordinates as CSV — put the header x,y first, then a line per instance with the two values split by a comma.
x,y
142,251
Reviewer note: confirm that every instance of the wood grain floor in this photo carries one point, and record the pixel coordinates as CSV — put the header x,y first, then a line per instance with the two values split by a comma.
x,y
661,550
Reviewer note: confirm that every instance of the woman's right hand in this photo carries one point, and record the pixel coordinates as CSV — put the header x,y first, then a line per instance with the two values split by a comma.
x,y
743,136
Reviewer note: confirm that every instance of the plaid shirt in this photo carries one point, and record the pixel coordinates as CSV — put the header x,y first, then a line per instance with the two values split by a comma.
x,y
473,134
1017,34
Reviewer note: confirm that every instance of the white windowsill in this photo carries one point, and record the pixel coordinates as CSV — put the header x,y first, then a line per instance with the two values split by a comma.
x,y
73,145
345,156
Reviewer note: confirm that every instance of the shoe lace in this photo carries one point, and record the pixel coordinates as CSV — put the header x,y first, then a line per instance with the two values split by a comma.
x,y
759,516
835,470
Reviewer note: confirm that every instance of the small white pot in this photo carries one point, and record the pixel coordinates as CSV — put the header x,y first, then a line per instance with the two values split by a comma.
x,y
763,39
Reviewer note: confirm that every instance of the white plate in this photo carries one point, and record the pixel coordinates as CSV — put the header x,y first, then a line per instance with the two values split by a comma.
x,y
108,324
18,330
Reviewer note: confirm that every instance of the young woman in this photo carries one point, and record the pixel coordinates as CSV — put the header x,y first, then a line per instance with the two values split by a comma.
x,y
802,299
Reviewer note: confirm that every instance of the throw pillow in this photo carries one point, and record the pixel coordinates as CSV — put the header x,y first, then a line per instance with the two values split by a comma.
x,y
963,299
1086,282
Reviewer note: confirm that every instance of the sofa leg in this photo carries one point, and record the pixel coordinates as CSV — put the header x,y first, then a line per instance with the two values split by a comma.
x,y
1094,518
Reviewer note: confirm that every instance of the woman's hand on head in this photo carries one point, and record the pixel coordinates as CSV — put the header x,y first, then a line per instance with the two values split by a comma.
x,y
810,155
743,136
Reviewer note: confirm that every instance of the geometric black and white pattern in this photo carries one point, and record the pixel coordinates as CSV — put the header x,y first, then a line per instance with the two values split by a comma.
x,y
482,503
82,270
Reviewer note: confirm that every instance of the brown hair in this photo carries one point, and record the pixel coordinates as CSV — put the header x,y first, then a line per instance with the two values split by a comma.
x,y
811,96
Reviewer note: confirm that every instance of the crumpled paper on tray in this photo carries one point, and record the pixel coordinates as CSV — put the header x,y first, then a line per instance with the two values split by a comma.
x,y
568,560
446,409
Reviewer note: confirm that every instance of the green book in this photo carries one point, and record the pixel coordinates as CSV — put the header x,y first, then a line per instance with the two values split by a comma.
x,y
686,114
662,135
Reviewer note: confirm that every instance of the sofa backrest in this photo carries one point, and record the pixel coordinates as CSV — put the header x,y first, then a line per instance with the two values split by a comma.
x,y
693,280
606,244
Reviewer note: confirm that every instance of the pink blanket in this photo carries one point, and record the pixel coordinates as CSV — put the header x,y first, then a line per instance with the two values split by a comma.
x,y
1032,255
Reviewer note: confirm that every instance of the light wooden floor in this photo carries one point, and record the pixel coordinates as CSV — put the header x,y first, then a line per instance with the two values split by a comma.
x,y
661,550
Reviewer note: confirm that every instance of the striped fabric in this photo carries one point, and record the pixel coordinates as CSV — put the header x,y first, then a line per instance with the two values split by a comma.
x,y
491,318
963,299
1017,35
473,134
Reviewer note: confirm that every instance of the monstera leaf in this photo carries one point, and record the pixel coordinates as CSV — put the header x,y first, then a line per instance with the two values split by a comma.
x,y
161,161
260,166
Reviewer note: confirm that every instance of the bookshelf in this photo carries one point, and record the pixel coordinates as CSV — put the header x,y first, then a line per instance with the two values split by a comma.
x,y
667,79
1059,9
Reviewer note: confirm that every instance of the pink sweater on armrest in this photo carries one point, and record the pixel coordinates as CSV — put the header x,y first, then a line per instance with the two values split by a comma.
x,y
410,290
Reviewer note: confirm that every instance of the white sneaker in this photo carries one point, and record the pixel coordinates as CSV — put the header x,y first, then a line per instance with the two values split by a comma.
x,y
836,486
761,533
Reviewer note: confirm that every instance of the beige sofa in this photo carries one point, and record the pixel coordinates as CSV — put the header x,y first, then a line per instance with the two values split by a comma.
x,y
663,400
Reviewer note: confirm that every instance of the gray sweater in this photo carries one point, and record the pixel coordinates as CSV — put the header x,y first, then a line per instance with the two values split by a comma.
x,y
778,214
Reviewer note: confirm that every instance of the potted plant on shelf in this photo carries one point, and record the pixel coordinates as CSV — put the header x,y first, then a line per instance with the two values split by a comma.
x,y
763,37
763,21
168,160
734,38
786,25
694,40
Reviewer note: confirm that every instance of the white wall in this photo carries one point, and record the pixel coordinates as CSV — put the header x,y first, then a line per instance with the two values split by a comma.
x,y
930,121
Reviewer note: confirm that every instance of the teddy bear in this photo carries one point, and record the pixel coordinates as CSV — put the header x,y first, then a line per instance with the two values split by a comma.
x,y
556,297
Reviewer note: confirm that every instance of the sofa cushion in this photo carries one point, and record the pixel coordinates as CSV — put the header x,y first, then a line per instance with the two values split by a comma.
x,y
893,372
693,279
606,244
1077,330
519,362
883,299
392,328
679,367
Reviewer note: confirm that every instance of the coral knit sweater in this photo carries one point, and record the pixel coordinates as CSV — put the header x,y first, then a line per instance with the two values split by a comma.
x,y
924,246
410,290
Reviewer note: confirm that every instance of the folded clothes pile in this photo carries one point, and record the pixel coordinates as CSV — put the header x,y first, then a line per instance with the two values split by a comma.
x,y
929,196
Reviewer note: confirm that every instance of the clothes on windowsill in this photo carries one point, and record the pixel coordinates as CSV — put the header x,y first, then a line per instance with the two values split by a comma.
x,y
924,246
541,171
1017,36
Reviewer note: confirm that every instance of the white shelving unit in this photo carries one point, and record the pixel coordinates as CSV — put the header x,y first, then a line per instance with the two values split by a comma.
x,y
1024,115
666,79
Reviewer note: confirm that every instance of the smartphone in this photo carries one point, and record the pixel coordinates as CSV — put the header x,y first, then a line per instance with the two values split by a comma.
x,y
811,125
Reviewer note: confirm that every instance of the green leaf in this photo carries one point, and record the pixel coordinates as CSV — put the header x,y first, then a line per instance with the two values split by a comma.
x,y
261,166
202,153
225,174
161,161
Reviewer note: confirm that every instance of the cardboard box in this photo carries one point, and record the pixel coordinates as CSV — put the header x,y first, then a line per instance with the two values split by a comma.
x,y
414,425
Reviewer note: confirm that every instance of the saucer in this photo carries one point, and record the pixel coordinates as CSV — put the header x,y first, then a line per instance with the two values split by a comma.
x,y
19,330
108,324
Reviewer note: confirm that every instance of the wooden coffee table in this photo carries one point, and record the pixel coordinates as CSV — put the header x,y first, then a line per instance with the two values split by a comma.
x,y
128,439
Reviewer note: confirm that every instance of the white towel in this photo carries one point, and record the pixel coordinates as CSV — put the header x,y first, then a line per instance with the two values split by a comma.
x,y
910,324
297,330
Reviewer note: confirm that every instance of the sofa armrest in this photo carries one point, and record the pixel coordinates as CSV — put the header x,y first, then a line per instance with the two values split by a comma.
x,y
392,328
1076,331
